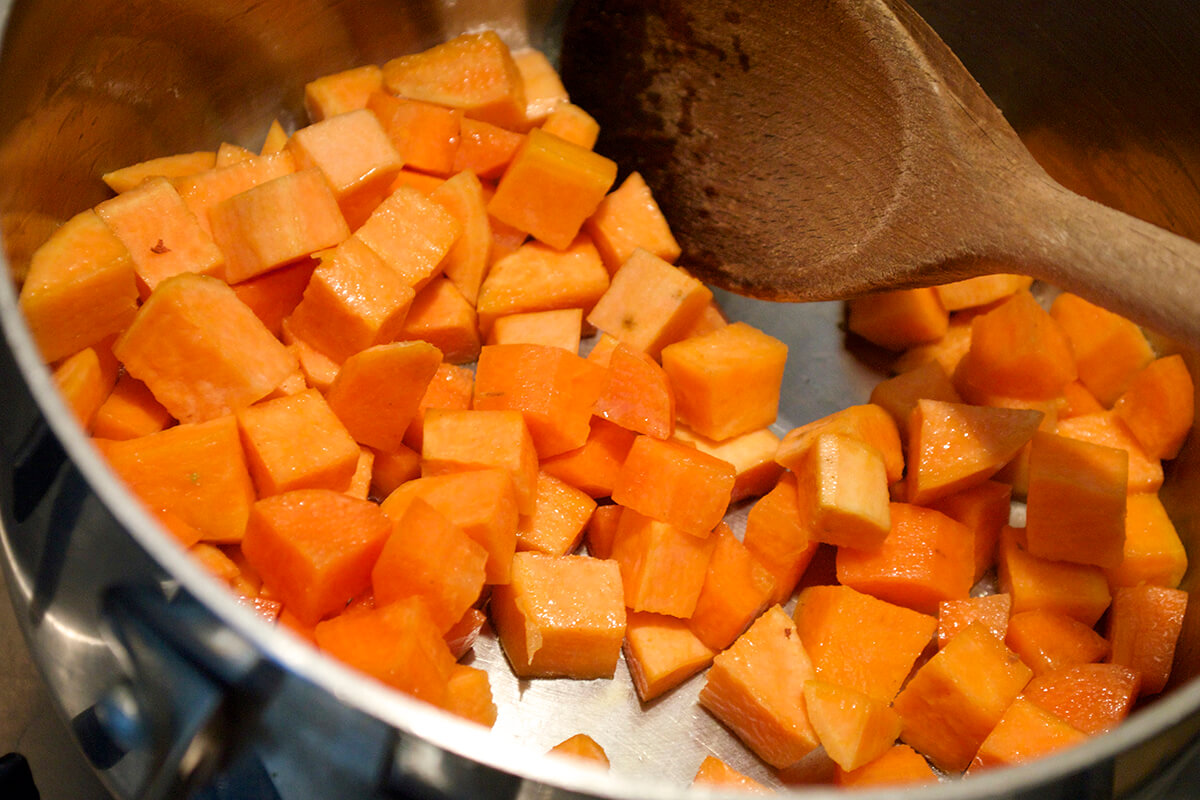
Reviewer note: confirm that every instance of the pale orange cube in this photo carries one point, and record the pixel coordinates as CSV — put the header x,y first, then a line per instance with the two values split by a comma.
x,y
1025,732
867,422
176,165
1109,349
364,471
581,746
341,92
898,766
129,411
676,484
560,515
469,695
736,589
716,773
629,218
561,616
992,610
412,234
661,653
425,135
457,440
558,327
662,568
468,260
202,191
854,728
751,454
899,319
844,483
573,124
544,90
1077,590
452,387
84,382
1153,551
376,391
441,316
594,467
980,290
318,369
1159,406
393,468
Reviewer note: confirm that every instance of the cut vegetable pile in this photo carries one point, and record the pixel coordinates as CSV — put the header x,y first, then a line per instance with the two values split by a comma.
x,y
348,373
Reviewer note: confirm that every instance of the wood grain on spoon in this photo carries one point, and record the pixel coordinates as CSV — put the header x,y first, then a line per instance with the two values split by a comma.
x,y
822,149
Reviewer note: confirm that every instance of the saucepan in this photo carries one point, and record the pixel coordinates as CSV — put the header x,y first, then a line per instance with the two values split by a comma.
x,y
171,687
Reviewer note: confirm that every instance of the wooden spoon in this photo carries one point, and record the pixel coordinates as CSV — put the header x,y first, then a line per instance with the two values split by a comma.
x,y
821,149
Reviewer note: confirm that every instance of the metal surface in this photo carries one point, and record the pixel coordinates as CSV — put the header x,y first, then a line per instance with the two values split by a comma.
x,y
89,88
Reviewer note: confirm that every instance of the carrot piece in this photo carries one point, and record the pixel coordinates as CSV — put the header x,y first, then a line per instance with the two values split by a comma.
x,y
980,290
1159,406
1144,624
854,728
560,515
318,369
341,92
412,234
1075,508
1077,590
778,536
868,423
451,387
202,351
676,484
397,644
161,234
559,327
1017,350
957,697
991,610
276,222
553,389
1078,400
602,529
716,773
845,631
661,652
898,319
572,124
926,558
176,165
751,454
662,568
1109,349
629,218
375,393
1109,430
753,687
274,296
843,483
84,384
474,72
204,190
482,503
638,394
315,548
1092,697
953,446
485,149
543,87
560,616
899,765
423,134
458,440
948,351
984,509
581,746
469,695
736,589
1049,640
1026,731
536,277
1153,552
129,411
441,316
899,395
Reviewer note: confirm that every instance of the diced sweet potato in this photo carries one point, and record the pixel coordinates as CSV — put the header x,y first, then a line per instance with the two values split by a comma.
x,y
854,728
985,509
451,387
751,454
1109,430
341,92
84,380
899,395
661,652
627,219
779,536
1109,349
581,746
1159,406
274,296
991,610
844,484
176,165
469,695
424,135
676,484
899,765
898,319
561,327
560,515
663,569
736,589
376,391
1153,552
1049,640
980,290
456,441
485,149
571,123
1077,590
1026,731
129,411
1144,624
469,258
716,773
594,467
1092,697
867,422
204,190
637,393
441,316
412,233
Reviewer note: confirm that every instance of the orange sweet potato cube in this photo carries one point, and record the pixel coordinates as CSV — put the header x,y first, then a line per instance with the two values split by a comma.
x,y
947,351
1107,429
550,188
663,569
469,258
393,468
485,149
716,773
1144,625
544,90
451,387
753,688
736,589
898,319
457,440
341,92
176,165
1077,590
602,530
571,123
1109,349
1159,406
899,765
854,728
985,509
594,467
129,411
84,381
751,454
469,695
955,699
441,316
560,515
627,219
318,369
581,746
423,134
1092,697
676,484
376,391
560,327
274,295
364,472
1153,552
867,422
412,234
780,537
981,290
844,484
991,610
204,190
661,653
1026,731
297,442
1049,640
561,616
637,392
898,395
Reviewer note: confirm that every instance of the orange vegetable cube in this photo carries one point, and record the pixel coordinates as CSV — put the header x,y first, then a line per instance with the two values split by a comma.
x,y
751,454
1153,553
676,484
779,536
456,440
204,190
1077,590
1078,400
594,467
423,134
274,295
1144,624
451,387
341,92
899,765
661,652
228,154
1091,697
421,182
571,123
560,327
412,234
627,219
898,319
899,395
469,695
868,423
469,258
581,746
1159,406
376,391
1109,430
602,529
980,290
561,616
1048,640
129,411
854,728
736,589
543,87
844,484
485,149
1026,731
84,382
318,369
364,471
560,515
716,773
176,165
991,610
663,569
637,393
463,634
1109,349
948,351
441,316
985,509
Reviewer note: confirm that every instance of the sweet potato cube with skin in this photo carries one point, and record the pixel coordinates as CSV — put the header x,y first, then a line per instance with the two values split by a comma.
x,y
985,509
1091,697
663,569
553,389
397,644
898,766
952,446
755,686
991,610
751,454
473,72
844,631
650,303
456,441
926,558
176,165
423,134
1144,624
204,190
661,652
627,219
560,327
594,467
1107,429
451,387
341,92
550,188
129,411
277,222
898,319
536,277
469,258
84,382
780,537
1109,349
202,351
1048,640
412,234
676,484
561,616
544,90
315,548
1153,552
469,695
637,393
297,442
867,422
1159,406
560,515
844,483
274,295
899,395
1077,590
955,699
1026,731
854,728
376,391
981,290
80,288
581,746
162,236
736,589
713,772
485,149
428,556
481,502
441,316
1075,506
